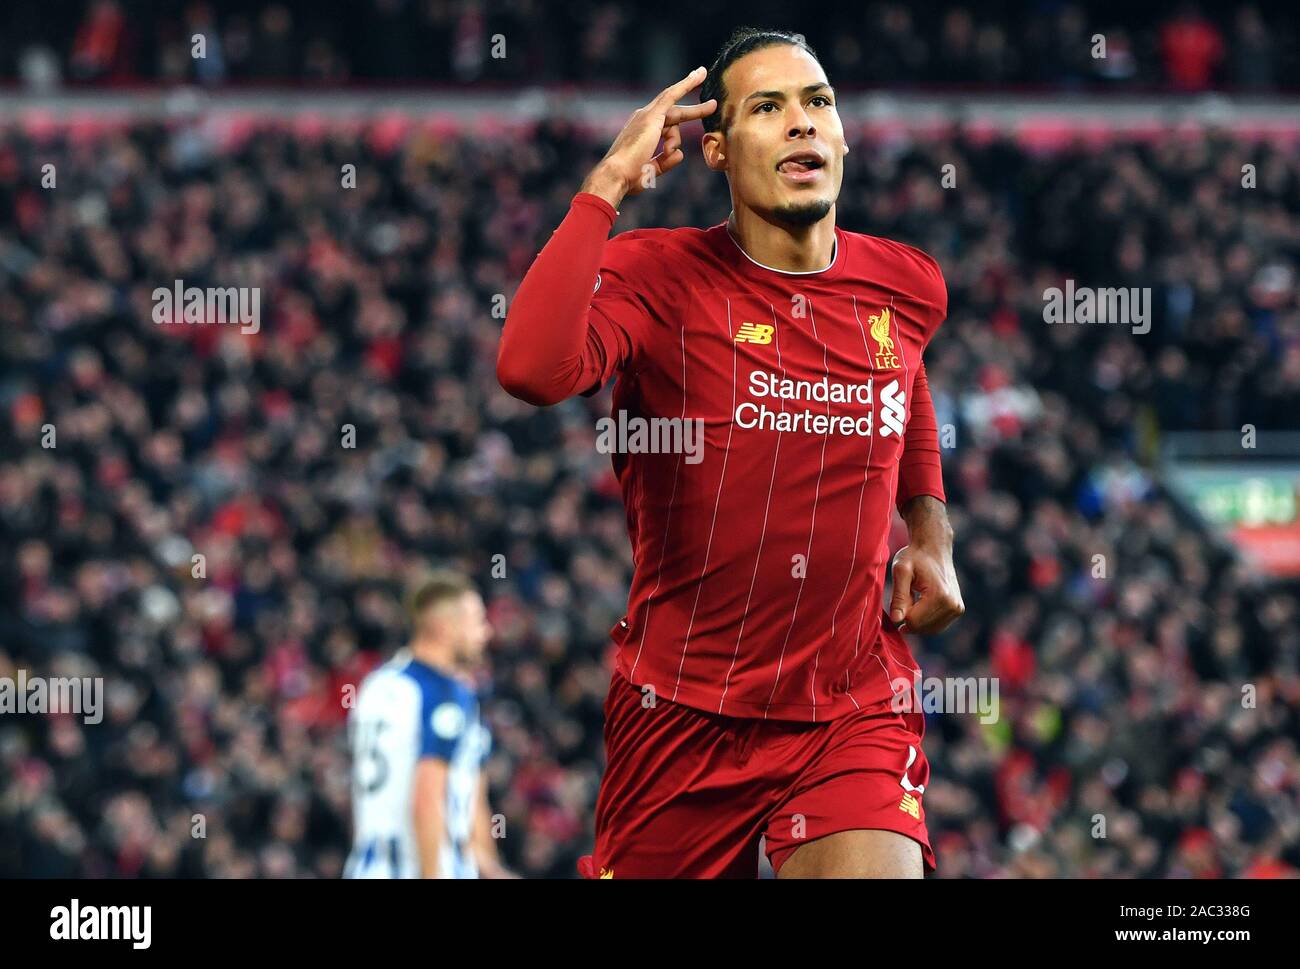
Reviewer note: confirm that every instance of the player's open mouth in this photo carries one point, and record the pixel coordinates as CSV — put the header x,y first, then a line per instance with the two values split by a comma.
x,y
802,166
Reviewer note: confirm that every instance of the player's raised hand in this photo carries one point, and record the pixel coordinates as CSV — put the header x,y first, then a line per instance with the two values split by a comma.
x,y
631,165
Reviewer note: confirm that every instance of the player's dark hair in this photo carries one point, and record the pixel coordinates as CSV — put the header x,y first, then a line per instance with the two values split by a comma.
x,y
742,41
435,588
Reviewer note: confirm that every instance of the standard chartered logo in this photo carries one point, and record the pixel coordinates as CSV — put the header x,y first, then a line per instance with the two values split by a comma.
x,y
860,398
891,409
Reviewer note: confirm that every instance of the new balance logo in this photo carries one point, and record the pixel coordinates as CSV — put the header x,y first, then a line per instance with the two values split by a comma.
x,y
755,333
910,805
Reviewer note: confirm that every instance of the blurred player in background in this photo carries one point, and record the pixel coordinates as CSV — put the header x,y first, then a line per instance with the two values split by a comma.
x,y
420,803
753,697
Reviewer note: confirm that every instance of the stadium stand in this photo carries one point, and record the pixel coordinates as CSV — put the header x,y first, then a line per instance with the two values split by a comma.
x,y
1120,696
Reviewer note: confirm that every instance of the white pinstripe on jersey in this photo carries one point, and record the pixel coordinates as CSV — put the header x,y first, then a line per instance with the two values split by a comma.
x,y
717,501
776,331
668,518
812,526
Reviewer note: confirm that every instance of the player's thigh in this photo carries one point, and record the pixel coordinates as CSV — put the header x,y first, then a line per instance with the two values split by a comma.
x,y
856,854
674,802
688,836
858,795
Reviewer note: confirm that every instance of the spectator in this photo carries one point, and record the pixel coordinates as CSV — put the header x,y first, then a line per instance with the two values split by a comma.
x,y
225,675
1192,48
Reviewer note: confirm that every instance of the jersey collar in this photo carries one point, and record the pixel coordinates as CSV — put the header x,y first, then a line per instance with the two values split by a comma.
x,y
755,269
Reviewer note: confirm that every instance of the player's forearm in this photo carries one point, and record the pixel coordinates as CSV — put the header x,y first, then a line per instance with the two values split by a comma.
x,y
544,355
488,860
482,844
927,524
606,184
920,471
925,569
428,838
428,860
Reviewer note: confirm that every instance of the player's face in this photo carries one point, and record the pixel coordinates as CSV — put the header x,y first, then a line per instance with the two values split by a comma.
x,y
779,103
472,628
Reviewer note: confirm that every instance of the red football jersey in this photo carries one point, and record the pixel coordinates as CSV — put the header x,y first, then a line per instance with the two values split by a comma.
x,y
760,561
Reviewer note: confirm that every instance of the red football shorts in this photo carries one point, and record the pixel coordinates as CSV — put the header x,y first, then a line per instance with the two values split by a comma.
x,y
688,794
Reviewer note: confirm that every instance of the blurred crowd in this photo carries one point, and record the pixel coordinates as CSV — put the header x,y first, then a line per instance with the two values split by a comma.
x,y
1149,689
1031,43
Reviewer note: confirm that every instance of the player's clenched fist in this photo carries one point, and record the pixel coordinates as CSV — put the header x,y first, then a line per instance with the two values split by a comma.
x,y
631,165
926,597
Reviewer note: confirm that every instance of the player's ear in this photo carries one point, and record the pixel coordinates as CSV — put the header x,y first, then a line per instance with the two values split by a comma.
x,y
713,147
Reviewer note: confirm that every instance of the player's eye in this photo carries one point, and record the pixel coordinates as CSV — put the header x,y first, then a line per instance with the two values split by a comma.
x,y
764,105
823,98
